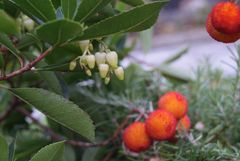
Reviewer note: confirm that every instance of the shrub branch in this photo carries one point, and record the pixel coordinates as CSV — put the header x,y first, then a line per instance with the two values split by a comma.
x,y
57,137
27,67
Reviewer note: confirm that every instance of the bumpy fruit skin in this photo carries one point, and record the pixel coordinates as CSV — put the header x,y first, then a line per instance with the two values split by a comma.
x,y
218,36
161,125
184,124
135,137
226,17
174,103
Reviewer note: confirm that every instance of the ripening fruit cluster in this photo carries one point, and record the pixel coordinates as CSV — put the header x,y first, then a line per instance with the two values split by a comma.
x,y
106,62
161,125
223,22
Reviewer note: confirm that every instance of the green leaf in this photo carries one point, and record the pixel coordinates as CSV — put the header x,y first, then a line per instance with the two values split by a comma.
x,y
176,56
133,2
5,41
4,149
11,9
52,152
69,153
68,52
174,75
52,81
28,40
11,149
1,5
8,24
59,31
56,3
137,19
42,9
28,143
49,77
146,24
146,39
89,7
90,154
59,109
69,7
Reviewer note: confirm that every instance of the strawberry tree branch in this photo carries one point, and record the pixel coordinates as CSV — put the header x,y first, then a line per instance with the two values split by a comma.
x,y
108,157
57,137
5,115
3,50
103,143
8,112
28,66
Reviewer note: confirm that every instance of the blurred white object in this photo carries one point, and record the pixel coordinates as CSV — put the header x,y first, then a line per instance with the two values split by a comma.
x,y
38,116
199,126
193,5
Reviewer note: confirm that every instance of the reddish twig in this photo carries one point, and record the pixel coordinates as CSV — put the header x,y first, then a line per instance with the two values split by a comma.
x,y
5,115
103,143
3,50
108,156
8,112
28,66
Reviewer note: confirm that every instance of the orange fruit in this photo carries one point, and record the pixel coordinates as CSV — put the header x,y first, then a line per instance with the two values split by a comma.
x,y
135,137
161,125
174,103
218,36
226,17
184,124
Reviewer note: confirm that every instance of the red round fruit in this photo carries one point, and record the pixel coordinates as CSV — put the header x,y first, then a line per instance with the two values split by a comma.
x,y
184,124
135,137
218,36
161,125
174,103
226,17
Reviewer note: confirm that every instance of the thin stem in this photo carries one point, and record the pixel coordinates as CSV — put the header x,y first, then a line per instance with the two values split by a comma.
x,y
108,156
5,50
28,66
57,137
20,60
8,112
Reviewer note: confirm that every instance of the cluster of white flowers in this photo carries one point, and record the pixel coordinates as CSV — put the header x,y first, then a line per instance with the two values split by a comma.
x,y
106,62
